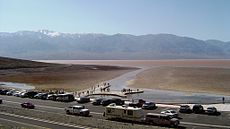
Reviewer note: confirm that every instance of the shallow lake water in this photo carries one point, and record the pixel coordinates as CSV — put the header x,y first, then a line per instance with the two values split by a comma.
x,y
164,96
16,85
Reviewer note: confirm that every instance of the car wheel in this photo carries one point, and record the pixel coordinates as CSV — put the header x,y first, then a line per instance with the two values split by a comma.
x,y
67,112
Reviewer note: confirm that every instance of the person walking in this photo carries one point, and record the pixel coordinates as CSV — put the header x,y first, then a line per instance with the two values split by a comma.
x,y
223,99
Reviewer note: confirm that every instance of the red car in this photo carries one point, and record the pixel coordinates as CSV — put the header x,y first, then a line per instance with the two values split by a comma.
x,y
28,105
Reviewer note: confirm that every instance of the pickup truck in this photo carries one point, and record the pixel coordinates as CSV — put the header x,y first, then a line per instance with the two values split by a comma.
x,y
77,110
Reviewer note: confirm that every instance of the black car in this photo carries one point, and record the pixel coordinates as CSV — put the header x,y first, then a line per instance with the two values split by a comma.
x,y
4,91
197,108
185,109
117,101
106,102
83,100
29,94
97,101
149,105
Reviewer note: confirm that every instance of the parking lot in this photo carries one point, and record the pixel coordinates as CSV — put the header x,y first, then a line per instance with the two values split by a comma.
x,y
187,120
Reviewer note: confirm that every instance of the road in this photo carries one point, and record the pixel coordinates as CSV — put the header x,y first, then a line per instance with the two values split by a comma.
x,y
187,120
36,123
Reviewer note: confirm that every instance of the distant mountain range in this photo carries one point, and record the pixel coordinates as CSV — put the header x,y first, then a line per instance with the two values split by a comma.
x,y
46,44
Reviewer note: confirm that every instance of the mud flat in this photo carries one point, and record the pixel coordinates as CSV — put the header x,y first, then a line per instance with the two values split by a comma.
x,y
171,81
67,77
189,79
189,75
149,63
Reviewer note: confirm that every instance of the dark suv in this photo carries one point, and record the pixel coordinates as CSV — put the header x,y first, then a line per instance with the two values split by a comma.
x,y
149,105
83,100
197,108
185,109
117,101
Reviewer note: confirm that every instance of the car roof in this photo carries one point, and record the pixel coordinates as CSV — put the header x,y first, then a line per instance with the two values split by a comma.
x,y
157,114
184,105
77,106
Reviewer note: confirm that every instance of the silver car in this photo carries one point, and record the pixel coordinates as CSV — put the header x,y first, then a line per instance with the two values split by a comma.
x,y
171,113
77,110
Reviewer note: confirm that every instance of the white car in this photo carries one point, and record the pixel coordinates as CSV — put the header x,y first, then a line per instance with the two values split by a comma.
x,y
77,110
17,93
171,113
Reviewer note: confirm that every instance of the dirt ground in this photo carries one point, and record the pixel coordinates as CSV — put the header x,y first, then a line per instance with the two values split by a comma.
x,y
196,75
190,79
67,77
191,75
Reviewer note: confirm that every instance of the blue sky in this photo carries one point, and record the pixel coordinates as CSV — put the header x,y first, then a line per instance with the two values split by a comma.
x,y
202,19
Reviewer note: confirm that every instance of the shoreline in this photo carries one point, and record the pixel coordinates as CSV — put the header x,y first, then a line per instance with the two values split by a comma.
x,y
65,77
124,78
184,79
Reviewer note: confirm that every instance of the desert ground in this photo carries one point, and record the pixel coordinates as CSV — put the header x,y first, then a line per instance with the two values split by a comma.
x,y
57,76
192,75
198,75
189,79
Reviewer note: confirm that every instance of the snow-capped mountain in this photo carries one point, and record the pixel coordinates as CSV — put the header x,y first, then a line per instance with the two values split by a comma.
x,y
45,44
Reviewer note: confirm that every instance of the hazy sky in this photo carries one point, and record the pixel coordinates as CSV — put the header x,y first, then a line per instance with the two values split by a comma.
x,y
202,19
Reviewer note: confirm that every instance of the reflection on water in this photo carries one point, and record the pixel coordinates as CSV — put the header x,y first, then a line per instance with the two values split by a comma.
x,y
16,85
163,96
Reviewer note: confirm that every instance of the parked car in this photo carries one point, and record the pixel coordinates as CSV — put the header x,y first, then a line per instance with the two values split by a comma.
x,y
149,105
41,96
117,101
97,101
77,110
3,91
10,92
65,97
171,113
0,100
161,119
185,109
106,102
28,105
211,110
52,97
18,93
83,100
197,108
29,94
137,104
